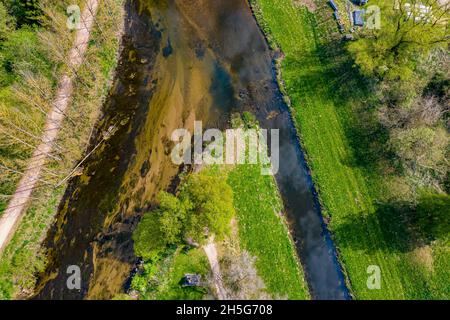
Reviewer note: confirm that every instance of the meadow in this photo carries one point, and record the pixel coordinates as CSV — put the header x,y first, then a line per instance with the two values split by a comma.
x,y
331,104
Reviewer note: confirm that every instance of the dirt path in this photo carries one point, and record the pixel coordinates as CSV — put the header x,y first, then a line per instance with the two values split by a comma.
x,y
17,206
211,253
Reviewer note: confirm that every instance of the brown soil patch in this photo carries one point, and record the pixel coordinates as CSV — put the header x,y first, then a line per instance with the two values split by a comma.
x,y
310,4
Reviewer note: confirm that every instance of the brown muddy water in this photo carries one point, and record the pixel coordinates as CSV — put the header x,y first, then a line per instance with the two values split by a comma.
x,y
182,60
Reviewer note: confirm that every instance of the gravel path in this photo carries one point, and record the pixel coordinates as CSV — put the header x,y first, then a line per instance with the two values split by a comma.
x,y
211,253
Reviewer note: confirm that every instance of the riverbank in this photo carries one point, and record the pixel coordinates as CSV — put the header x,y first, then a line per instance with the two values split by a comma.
x,y
24,257
327,97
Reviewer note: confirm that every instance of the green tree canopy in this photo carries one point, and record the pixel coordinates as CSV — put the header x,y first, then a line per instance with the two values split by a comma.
x,y
172,215
204,207
160,227
408,32
212,205
148,239
26,12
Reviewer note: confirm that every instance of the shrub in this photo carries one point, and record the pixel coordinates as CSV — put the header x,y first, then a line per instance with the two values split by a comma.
x,y
148,239
421,147
6,23
22,52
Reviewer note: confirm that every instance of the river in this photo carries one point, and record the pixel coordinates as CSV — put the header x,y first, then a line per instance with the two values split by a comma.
x,y
182,60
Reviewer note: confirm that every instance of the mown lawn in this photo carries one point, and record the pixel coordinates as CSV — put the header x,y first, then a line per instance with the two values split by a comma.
x,y
264,234
325,102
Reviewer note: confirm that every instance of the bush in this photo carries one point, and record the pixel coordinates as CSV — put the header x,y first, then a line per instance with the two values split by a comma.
x,y
22,52
6,23
148,239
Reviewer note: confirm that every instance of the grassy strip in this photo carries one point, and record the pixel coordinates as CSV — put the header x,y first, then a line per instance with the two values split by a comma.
x,y
263,232
350,188
23,258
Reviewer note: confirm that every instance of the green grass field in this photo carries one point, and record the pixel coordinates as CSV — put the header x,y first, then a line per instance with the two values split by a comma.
x,y
326,97
264,234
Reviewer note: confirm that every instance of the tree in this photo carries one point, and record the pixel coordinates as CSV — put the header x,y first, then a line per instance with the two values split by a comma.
x,y
240,277
212,205
26,12
148,239
160,227
397,53
421,147
172,215
406,36
418,137
204,206
6,23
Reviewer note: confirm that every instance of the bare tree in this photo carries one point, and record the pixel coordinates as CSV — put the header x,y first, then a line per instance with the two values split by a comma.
x,y
240,277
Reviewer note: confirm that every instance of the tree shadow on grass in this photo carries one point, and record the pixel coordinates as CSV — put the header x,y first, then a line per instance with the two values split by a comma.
x,y
330,73
354,96
403,226
392,221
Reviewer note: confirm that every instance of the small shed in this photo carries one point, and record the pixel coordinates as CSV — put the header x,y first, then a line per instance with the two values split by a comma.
x,y
191,280
333,5
358,18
